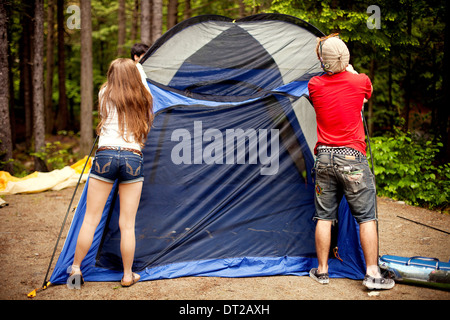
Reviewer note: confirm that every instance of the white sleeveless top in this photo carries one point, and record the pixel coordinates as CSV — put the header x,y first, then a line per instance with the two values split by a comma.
x,y
110,134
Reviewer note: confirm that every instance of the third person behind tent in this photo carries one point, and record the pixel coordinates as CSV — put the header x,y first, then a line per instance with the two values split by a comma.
x,y
138,50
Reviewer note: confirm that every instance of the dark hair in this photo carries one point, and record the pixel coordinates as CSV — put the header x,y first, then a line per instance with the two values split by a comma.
x,y
138,49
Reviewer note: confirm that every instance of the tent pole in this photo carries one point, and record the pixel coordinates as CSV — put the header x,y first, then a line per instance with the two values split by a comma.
x,y
374,179
67,213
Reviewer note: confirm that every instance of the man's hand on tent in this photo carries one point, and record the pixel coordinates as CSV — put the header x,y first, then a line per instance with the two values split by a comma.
x,y
350,69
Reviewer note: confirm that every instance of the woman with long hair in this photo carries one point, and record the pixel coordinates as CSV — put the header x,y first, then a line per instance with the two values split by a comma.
x,y
126,115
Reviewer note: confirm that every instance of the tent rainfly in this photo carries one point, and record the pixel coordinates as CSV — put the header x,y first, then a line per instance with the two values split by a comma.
x,y
228,190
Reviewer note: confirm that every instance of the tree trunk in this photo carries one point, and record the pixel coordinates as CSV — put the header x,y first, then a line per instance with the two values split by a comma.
x,y
146,25
122,29
49,66
38,85
390,80
157,19
25,71
63,113
408,70
135,21
172,14
443,113
86,123
241,8
11,63
5,125
187,9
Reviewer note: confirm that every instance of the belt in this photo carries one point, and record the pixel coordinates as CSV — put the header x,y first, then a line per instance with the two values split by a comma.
x,y
343,150
139,153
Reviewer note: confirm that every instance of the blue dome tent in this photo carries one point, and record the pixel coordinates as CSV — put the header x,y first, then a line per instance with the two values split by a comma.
x,y
228,190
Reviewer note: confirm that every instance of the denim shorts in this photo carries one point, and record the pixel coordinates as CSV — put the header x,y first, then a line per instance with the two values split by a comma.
x,y
110,165
339,175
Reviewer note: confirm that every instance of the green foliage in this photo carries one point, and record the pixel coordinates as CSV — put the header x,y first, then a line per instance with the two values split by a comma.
x,y
349,20
57,154
405,169
54,154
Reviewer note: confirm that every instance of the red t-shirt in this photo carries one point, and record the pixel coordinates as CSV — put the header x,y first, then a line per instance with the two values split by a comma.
x,y
338,100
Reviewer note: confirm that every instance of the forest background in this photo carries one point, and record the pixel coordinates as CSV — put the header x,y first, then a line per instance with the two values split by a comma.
x,y
54,55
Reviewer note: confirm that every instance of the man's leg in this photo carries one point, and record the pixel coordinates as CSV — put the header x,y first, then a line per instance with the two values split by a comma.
x,y
323,240
326,199
369,244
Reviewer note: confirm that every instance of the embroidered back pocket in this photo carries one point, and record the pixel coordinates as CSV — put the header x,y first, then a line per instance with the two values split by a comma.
x,y
133,167
102,164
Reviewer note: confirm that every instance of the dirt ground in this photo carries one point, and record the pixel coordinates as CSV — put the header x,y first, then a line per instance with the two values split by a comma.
x,y
30,224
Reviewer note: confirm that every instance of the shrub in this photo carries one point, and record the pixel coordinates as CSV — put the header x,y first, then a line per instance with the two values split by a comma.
x,y
53,154
406,169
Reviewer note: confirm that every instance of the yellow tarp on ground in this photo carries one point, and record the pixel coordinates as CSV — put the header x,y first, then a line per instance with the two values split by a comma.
x,y
42,181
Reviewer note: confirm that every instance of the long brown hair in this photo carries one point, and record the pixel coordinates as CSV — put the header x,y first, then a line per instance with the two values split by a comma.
x,y
132,101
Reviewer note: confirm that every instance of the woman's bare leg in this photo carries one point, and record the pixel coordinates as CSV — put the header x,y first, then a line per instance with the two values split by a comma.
x,y
129,195
98,192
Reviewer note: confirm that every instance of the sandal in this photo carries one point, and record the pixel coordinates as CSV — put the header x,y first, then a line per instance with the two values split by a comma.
x,y
378,283
134,278
76,277
319,277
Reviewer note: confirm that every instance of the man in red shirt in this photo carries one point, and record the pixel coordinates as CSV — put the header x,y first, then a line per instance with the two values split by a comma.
x,y
341,166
